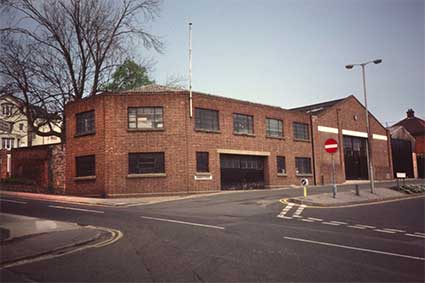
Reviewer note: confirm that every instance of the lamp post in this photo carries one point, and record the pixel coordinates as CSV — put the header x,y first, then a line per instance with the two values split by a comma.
x,y
369,137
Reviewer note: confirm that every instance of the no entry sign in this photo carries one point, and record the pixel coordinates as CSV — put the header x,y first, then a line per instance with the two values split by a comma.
x,y
331,146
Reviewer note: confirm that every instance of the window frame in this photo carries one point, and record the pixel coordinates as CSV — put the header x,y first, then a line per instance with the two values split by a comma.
x,y
91,170
249,118
7,143
295,131
155,169
154,121
86,131
268,130
198,126
284,173
199,166
298,173
7,109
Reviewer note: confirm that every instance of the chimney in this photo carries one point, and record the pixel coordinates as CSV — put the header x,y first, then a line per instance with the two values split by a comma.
x,y
410,113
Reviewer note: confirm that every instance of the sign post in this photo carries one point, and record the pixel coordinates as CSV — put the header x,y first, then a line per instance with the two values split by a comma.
x,y
304,182
331,146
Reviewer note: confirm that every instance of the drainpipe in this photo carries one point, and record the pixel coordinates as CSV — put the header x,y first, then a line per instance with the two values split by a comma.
x,y
312,149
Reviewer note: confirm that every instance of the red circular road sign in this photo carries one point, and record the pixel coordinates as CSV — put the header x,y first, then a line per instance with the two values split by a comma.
x,y
331,146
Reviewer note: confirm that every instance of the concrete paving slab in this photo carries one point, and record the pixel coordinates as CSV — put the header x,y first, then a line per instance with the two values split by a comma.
x,y
350,197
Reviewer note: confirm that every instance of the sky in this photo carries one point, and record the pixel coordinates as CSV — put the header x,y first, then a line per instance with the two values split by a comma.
x,y
292,53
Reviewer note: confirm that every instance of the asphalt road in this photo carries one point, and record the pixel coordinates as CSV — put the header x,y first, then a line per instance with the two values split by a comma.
x,y
238,237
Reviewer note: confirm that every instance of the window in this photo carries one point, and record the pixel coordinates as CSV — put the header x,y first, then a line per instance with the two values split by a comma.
x,y
242,124
145,118
21,126
303,165
86,165
144,163
7,109
206,119
85,123
202,160
281,167
301,131
274,128
7,143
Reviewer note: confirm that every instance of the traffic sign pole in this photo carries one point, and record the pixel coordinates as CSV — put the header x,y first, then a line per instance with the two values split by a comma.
x,y
333,177
331,146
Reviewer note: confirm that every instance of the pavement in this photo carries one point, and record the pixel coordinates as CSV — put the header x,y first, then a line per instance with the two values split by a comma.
x,y
112,202
322,200
351,198
28,238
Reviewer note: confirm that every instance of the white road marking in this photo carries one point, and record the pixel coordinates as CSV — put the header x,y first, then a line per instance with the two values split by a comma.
x,y
315,219
418,233
414,235
285,210
299,210
356,227
183,222
394,230
384,231
339,222
283,216
354,248
307,220
74,208
366,226
330,223
14,201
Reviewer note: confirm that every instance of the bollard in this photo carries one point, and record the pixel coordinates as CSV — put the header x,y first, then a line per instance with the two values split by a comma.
x,y
305,191
357,190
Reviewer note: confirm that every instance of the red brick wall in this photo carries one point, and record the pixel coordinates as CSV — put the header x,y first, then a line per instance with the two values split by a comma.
x,y
420,144
3,163
31,163
85,145
180,142
113,141
44,164
341,116
226,139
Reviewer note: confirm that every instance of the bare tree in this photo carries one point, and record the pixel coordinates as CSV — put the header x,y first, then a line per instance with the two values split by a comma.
x,y
54,51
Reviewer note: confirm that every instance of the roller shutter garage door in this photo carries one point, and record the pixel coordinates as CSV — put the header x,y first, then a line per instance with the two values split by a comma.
x,y
241,172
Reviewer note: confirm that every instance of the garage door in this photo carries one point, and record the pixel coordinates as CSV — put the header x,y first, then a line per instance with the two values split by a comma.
x,y
241,172
355,158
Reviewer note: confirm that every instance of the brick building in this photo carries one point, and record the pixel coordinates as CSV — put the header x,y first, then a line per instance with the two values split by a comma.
x,y
409,145
145,142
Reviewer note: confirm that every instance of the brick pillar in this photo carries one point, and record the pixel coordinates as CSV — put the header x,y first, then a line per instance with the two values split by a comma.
x,y
3,164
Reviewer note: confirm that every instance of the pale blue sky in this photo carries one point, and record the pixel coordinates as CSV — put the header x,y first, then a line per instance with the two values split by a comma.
x,y
293,53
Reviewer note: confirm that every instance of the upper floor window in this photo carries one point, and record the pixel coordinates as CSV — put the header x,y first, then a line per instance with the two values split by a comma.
x,y
144,163
85,165
145,118
274,128
281,166
21,126
303,165
7,143
85,123
243,124
301,131
206,119
202,162
7,109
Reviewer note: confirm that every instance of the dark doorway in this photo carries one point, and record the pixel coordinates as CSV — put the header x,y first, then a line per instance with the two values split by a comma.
x,y
402,157
241,172
355,158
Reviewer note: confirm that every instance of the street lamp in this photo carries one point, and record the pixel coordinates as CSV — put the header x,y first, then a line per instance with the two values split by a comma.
x,y
369,137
